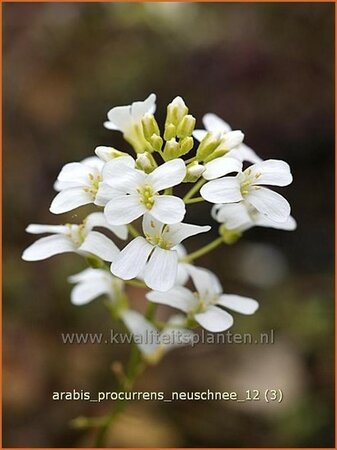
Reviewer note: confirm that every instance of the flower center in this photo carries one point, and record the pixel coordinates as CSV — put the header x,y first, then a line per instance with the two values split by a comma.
x,y
76,233
159,239
94,181
246,181
146,196
204,302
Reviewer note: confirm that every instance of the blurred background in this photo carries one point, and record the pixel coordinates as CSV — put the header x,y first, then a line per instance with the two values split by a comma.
x,y
267,69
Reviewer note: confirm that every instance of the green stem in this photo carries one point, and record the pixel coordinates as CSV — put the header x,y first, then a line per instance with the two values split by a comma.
x,y
194,189
203,250
136,283
194,200
151,311
135,366
190,160
132,230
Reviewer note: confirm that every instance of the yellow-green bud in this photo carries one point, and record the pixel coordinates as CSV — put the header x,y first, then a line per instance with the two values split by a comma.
x,y
207,146
186,145
150,126
170,131
186,126
156,142
229,236
194,172
176,110
171,149
145,162
216,154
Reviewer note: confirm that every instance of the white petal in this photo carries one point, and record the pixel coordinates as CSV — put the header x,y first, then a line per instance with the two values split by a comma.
x,y
233,215
215,124
223,190
39,229
214,319
123,209
237,303
119,118
178,232
263,221
245,153
70,199
48,246
104,153
269,203
98,244
205,281
94,163
272,172
232,139
151,226
88,274
143,329
178,297
182,274
85,292
221,166
161,271
97,219
75,173
167,175
168,209
104,194
199,134
132,259
139,109
120,175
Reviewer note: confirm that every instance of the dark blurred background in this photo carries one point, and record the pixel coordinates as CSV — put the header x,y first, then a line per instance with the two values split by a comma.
x,y
265,68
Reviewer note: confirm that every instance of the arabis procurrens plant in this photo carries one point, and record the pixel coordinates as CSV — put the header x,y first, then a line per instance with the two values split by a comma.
x,y
147,185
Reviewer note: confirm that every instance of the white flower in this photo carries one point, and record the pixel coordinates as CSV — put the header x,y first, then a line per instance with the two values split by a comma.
x,y
246,186
74,238
242,216
91,283
153,343
154,257
78,184
128,120
128,193
216,125
204,305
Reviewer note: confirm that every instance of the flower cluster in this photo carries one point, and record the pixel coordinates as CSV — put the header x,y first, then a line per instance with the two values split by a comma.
x,y
134,200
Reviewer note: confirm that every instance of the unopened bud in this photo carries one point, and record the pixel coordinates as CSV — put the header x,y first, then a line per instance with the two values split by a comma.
x,y
150,126
186,145
145,162
194,172
156,142
186,126
207,146
171,149
176,110
170,131
229,236
108,153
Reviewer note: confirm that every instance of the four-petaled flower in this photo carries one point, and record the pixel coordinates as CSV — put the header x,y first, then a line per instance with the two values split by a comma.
x,y
204,305
247,186
92,283
128,120
154,257
78,184
128,193
219,127
75,238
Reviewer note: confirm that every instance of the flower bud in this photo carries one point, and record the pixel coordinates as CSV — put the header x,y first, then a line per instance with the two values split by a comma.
x,y
229,236
156,142
150,126
186,126
170,131
176,111
108,153
194,172
186,145
207,146
145,162
171,149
